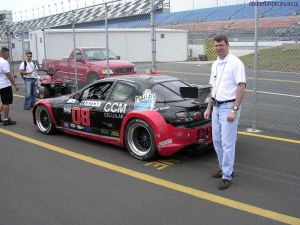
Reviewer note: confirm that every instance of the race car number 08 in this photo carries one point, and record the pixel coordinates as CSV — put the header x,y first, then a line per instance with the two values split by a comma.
x,y
81,116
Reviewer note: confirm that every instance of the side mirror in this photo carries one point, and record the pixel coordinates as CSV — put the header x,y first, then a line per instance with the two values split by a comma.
x,y
118,57
76,96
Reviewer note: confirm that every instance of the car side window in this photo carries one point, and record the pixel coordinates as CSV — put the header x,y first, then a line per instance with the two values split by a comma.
x,y
97,91
122,92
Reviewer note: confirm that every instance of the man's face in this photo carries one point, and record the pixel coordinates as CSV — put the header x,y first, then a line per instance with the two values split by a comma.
x,y
6,55
221,48
29,57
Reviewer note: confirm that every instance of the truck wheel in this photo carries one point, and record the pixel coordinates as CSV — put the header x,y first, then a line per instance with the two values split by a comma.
x,y
44,121
44,92
140,140
92,78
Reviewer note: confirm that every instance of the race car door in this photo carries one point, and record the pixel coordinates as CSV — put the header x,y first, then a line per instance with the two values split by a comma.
x,y
84,114
118,105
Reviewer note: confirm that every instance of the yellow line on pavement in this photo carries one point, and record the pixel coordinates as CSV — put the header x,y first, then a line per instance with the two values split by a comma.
x,y
164,183
19,96
270,137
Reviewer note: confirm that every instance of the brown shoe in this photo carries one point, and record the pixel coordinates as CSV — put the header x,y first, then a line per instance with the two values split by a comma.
x,y
217,174
224,184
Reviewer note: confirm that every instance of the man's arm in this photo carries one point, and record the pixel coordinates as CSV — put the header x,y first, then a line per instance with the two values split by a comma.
x,y
11,79
209,105
240,93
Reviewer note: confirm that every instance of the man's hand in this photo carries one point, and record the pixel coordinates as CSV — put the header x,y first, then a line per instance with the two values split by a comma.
x,y
207,113
17,88
231,116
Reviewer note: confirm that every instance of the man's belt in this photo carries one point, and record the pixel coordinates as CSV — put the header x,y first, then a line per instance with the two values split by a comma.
x,y
221,102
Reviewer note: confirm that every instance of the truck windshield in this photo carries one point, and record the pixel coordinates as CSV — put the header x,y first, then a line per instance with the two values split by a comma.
x,y
98,54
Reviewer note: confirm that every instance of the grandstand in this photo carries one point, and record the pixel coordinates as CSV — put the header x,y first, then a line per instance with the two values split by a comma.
x,y
275,23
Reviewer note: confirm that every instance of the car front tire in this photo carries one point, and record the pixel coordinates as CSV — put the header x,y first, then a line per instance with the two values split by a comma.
x,y
140,140
44,121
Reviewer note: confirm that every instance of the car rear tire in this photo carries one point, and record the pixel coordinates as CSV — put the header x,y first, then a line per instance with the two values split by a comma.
x,y
44,121
140,140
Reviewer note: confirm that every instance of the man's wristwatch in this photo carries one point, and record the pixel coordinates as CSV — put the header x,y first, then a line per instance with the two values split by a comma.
x,y
235,108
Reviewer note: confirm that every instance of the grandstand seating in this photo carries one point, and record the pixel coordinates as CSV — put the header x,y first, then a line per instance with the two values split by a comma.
x,y
136,14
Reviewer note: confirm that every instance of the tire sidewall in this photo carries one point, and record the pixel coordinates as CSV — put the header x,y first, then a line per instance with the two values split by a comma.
x,y
153,149
50,129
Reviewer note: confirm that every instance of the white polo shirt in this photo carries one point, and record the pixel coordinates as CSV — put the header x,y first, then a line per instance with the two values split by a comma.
x,y
30,67
225,76
4,69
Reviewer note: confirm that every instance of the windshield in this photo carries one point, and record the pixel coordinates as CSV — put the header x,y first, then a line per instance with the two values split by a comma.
x,y
168,91
98,54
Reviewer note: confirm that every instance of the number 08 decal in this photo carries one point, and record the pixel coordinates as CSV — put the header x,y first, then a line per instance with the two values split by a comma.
x,y
81,116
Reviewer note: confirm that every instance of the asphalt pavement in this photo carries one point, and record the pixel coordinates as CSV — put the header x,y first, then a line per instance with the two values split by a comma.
x,y
62,179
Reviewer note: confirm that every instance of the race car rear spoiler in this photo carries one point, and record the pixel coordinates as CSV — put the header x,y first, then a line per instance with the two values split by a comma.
x,y
200,93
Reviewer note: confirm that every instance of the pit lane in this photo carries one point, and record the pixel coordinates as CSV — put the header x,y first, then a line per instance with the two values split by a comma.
x,y
44,183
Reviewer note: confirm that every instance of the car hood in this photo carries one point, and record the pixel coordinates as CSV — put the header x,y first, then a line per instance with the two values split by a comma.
x,y
113,63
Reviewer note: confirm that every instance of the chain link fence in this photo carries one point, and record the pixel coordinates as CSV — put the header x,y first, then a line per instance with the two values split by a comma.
x,y
175,37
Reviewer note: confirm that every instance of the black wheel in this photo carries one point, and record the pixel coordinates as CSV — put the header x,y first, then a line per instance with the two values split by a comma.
x,y
44,92
140,140
44,121
92,78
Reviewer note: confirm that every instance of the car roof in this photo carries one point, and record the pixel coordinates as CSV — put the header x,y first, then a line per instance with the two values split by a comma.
x,y
142,78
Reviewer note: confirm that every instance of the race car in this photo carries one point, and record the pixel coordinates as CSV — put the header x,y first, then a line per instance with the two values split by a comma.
x,y
147,114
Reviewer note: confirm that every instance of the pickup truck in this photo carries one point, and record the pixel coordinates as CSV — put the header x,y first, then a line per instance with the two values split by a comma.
x,y
91,65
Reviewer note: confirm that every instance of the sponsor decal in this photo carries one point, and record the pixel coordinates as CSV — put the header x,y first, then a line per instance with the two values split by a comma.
x,y
105,132
90,103
114,115
72,125
166,142
71,101
145,102
66,125
67,110
162,108
115,107
79,127
115,133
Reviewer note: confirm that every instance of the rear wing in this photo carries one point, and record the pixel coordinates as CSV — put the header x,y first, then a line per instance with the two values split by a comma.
x,y
200,93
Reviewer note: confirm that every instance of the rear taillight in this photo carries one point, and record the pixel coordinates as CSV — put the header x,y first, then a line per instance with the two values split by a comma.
x,y
189,116
182,116
198,116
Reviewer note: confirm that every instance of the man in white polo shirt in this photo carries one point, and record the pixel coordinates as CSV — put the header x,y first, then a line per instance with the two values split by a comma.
x,y
228,82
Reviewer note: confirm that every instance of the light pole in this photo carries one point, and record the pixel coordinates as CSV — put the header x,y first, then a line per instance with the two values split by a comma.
x,y
77,3
55,7
21,15
69,5
43,11
32,13
38,12
49,10
62,6
26,14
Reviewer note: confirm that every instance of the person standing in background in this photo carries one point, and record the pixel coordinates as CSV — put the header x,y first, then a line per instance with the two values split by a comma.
x,y
29,73
6,80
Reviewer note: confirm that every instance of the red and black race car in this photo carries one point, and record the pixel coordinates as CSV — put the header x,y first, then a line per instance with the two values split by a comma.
x,y
146,113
